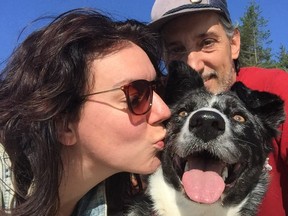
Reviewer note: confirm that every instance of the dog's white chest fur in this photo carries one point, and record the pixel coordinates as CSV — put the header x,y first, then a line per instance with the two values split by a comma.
x,y
169,202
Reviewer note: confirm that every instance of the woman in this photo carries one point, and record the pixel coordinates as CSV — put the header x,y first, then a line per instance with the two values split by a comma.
x,y
78,106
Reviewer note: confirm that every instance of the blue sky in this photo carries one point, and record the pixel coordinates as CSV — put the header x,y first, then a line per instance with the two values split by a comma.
x,y
18,14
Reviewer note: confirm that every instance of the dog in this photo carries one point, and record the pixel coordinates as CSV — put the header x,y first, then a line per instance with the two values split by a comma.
x,y
215,158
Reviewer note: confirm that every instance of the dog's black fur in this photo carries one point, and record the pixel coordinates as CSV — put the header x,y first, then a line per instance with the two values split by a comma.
x,y
235,127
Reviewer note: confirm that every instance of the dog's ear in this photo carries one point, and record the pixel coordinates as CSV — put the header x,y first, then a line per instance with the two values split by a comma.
x,y
181,78
267,106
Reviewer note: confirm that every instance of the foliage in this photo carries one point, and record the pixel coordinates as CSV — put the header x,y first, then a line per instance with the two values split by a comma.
x,y
283,59
255,50
255,41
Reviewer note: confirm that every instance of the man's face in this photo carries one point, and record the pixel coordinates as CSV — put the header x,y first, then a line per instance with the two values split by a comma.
x,y
200,40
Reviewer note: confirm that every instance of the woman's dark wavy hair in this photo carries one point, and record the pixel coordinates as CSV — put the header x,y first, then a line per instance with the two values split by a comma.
x,y
42,84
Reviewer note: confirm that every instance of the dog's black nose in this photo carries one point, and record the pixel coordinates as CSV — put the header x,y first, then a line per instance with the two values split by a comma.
x,y
206,125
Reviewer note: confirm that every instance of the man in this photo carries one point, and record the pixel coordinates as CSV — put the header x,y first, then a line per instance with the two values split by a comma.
x,y
201,33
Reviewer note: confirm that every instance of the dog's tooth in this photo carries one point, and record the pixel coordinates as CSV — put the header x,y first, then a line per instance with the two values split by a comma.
x,y
225,173
186,167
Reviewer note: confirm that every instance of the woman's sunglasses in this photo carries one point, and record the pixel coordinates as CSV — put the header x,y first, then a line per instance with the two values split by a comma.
x,y
139,95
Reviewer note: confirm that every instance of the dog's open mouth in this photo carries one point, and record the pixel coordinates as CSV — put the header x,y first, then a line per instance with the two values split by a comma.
x,y
205,177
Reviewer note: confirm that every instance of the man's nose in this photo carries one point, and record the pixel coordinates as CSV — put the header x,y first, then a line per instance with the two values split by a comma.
x,y
195,61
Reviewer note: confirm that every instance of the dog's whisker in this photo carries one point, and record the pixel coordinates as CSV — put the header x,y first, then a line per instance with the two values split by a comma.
x,y
242,142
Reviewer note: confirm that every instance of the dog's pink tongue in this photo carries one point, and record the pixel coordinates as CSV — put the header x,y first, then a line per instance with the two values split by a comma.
x,y
204,185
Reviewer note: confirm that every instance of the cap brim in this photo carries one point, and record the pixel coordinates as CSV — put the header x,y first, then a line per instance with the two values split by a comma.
x,y
158,24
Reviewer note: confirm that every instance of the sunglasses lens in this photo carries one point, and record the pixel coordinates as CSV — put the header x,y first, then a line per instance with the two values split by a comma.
x,y
140,97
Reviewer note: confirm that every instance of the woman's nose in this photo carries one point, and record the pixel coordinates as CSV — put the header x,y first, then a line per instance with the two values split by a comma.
x,y
159,110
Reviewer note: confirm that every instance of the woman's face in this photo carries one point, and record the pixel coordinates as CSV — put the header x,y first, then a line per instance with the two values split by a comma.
x,y
108,136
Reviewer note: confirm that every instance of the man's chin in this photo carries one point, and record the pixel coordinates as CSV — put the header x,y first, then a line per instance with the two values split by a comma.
x,y
214,87
211,86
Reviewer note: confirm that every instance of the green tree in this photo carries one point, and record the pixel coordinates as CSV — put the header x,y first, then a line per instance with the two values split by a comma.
x,y
283,58
255,50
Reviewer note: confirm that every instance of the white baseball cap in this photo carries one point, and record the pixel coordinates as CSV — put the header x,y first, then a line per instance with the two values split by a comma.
x,y
166,10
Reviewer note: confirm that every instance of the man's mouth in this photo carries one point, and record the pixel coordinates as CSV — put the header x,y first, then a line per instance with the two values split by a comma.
x,y
208,76
205,176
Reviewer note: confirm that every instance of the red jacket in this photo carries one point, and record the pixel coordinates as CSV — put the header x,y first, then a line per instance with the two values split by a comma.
x,y
274,81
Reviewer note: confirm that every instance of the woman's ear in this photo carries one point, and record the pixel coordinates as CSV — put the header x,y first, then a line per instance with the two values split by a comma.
x,y
235,44
66,133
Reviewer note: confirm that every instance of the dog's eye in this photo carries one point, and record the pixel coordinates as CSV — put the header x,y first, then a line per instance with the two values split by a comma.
x,y
183,113
239,118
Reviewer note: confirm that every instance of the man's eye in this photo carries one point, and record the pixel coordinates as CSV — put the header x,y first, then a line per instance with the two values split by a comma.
x,y
176,52
207,43
176,49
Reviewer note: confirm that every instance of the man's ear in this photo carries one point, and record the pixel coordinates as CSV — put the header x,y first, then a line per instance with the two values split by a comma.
x,y
66,133
235,44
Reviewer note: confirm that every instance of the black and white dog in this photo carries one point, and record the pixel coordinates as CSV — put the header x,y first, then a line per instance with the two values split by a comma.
x,y
215,159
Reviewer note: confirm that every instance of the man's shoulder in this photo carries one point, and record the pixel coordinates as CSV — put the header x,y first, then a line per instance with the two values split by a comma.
x,y
263,79
261,71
